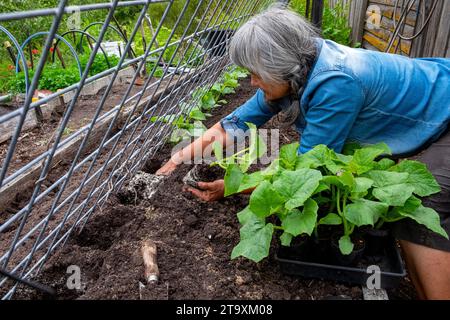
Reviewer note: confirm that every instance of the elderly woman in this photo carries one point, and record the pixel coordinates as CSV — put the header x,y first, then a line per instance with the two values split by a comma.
x,y
346,94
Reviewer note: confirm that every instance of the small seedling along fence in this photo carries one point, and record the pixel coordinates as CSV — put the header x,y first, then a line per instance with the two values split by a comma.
x,y
67,181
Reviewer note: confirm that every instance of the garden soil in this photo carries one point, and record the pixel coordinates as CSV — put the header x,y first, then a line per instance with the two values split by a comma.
x,y
194,241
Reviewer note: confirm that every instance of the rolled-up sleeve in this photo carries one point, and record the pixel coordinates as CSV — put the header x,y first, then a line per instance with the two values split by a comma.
x,y
332,110
255,110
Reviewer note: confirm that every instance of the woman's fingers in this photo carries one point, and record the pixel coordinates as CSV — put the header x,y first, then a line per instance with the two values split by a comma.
x,y
206,185
216,185
198,193
210,191
167,168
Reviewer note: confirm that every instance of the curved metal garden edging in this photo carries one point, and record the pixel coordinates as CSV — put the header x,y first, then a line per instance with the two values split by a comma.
x,y
44,33
20,51
89,36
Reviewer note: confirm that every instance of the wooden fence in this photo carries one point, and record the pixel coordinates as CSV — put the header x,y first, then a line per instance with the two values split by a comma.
x,y
424,30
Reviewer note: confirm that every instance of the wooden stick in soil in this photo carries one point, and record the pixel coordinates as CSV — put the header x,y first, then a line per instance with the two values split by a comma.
x,y
148,250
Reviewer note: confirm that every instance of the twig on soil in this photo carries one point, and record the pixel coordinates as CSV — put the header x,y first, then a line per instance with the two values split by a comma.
x,y
148,250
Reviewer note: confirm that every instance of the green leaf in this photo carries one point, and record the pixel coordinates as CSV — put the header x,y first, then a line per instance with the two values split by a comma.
x,y
218,150
365,212
208,101
166,118
320,156
394,195
314,158
331,219
346,245
297,186
256,149
344,180
347,179
387,178
288,155
410,205
350,148
384,164
197,114
265,200
232,179
332,180
322,187
272,169
227,90
419,177
298,222
423,215
250,181
362,185
286,239
363,159
245,215
255,242
343,158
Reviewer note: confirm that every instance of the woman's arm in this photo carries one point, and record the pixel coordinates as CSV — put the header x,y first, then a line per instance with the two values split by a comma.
x,y
255,110
196,148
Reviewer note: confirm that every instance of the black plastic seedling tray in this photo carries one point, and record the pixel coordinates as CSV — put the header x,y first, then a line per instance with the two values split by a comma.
x,y
391,265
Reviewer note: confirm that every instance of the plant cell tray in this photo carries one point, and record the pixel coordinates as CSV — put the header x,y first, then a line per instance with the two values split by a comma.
x,y
391,267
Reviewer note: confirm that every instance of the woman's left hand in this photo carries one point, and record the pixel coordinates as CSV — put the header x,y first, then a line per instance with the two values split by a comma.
x,y
209,191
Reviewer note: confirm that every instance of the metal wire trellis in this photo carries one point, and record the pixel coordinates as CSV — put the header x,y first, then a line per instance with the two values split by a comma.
x,y
101,155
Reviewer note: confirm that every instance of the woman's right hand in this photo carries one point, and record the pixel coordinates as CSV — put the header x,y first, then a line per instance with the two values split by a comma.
x,y
167,168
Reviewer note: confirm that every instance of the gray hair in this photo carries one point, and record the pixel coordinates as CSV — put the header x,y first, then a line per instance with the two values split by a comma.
x,y
278,45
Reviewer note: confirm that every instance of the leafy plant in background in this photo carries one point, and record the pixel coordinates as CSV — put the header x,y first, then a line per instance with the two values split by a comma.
x,y
334,21
99,64
323,187
187,122
55,77
159,71
335,24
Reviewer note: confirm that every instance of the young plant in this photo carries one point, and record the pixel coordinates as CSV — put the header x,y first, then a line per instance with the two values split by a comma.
x,y
352,191
189,123
237,165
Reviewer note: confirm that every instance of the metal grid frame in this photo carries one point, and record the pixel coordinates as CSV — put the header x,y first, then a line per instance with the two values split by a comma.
x,y
122,153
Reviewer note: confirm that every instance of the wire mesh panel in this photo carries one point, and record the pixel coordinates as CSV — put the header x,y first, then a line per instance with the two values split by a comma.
x,y
65,151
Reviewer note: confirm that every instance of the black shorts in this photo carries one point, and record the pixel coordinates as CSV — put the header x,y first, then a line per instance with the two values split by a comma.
x,y
437,159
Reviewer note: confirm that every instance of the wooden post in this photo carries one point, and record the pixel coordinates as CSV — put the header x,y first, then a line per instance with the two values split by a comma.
x,y
38,112
357,19
423,45
442,38
11,54
58,53
317,13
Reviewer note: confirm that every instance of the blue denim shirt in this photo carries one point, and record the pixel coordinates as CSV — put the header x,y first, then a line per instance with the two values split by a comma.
x,y
366,97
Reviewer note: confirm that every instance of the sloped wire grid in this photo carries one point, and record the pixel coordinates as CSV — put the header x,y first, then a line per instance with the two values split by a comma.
x,y
89,164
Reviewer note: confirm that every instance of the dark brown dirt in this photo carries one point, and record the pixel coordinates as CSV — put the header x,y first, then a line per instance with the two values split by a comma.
x,y
194,241
36,141
207,173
